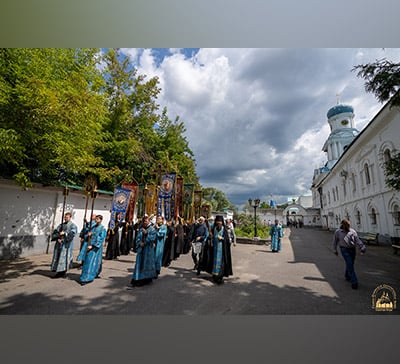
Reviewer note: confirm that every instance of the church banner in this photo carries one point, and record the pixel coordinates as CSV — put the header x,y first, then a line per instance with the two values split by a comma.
x,y
130,212
166,195
198,195
119,204
179,197
151,200
188,189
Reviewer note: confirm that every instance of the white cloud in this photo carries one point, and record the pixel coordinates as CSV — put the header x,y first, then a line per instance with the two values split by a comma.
x,y
256,118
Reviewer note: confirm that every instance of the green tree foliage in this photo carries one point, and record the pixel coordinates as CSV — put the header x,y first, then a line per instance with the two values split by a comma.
x,y
245,226
49,109
217,199
66,113
382,78
392,172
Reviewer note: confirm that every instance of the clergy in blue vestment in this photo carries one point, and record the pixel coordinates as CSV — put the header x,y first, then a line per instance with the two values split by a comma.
x,y
63,248
276,233
94,254
222,259
161,229
87,226
145,265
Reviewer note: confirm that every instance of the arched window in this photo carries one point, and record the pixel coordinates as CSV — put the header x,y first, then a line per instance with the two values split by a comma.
x,y
367,176
396,214
387,155
358,217
373,216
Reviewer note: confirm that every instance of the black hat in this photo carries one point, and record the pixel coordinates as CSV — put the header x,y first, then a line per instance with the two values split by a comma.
x,y
219,218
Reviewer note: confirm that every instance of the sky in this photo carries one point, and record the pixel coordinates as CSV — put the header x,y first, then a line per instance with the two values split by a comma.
x,y
255,118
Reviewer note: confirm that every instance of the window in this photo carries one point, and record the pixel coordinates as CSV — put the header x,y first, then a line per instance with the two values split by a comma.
x,y
367,176
386,155
358,217
344,189
373,216
353,181
396,214
337,193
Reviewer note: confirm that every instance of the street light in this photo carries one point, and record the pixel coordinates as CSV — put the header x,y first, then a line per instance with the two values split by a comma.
x,y
255,204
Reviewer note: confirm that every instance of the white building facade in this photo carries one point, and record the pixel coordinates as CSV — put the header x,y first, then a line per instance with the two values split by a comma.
x,y
352,183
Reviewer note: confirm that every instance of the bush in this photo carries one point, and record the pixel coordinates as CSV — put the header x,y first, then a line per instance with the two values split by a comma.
x,y
245,227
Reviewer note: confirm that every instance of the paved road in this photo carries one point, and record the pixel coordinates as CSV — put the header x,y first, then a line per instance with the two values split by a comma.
x,y
304,278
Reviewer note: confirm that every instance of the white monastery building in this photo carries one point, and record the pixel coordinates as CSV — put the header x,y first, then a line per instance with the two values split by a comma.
x,y
352,183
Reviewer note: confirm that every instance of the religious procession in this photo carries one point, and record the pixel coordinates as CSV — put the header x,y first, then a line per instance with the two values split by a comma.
x,y
157,224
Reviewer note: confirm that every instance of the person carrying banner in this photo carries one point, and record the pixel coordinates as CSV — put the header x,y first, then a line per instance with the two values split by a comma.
x,y
162,230
145,267
83,235
94,254
63,248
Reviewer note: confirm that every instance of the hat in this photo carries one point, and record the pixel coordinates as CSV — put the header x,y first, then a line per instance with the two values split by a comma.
x,y
219,218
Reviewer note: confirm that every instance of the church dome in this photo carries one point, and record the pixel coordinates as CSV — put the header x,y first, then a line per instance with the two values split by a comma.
x,y
339,109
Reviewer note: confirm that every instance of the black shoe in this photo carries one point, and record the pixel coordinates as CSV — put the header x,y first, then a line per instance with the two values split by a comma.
x,y
60,275
354,285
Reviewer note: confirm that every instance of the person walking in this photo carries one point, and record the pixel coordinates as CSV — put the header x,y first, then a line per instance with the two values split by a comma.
x,y
63,235
145,266
199,239
83,235
92,262
161,230
222,259
347,240
276,233
231,231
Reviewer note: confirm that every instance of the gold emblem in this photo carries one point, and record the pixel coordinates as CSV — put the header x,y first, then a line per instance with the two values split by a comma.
x,y
384,298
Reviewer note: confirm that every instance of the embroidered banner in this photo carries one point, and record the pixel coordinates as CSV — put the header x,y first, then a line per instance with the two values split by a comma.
x,y
198,195
166,195
119,204
151,200
188,189
130,212
179,197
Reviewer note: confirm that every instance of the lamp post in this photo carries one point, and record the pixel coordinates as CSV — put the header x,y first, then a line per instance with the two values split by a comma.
x,y
255,204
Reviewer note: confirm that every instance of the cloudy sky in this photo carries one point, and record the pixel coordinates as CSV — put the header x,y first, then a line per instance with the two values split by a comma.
x,y
256,118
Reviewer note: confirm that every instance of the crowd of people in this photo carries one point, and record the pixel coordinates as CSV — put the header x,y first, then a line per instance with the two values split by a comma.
x,y
155,241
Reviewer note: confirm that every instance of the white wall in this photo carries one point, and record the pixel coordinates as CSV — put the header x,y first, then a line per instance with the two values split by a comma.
x,y
27,217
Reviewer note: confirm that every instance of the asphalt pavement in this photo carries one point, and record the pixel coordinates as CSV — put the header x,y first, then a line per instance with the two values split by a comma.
x,y
305,278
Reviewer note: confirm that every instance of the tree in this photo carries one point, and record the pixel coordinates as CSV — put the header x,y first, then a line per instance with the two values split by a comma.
x,y
217,199
49,109
383,79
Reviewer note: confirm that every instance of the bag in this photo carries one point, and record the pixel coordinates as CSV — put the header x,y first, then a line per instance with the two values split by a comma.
x,y
196,247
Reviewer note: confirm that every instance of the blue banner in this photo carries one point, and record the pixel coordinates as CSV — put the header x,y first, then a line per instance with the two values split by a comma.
x,y
166,195
119,204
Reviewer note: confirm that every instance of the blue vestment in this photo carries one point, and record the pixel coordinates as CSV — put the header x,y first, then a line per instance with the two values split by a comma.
x,y
276,234
145,265
160,242
84,235
63,252
93,258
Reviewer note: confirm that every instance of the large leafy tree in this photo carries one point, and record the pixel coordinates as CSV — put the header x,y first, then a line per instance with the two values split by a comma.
x,y
51,114
217,199
66,113
382,78
141,142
